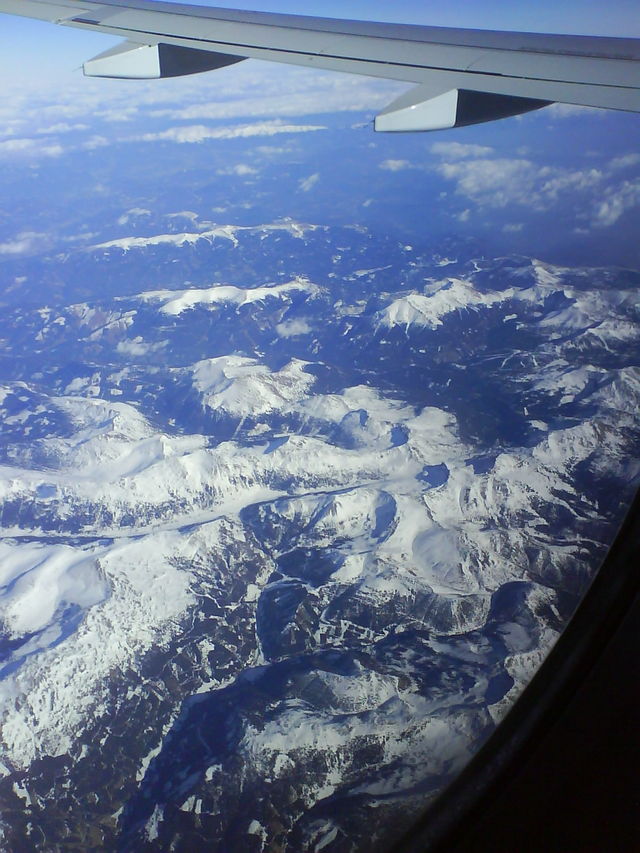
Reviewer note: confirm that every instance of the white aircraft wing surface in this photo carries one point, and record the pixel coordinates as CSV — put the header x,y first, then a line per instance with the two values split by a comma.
x,y
463,76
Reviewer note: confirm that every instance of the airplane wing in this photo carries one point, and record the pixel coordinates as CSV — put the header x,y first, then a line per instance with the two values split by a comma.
x,y
462,76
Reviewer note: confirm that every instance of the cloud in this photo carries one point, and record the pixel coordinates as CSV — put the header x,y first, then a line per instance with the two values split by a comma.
x,y
10,126
492,183
71,109
94,142
133,213
625,161
82,237
305,93
395,165
51,150
617,201
597,194
183,214
62,127
137,346
309,183
500,182
561,181
198,133
181,108
458,151
117,114
241,170
22,244
33,147
244,92
275,150
293,328
17,145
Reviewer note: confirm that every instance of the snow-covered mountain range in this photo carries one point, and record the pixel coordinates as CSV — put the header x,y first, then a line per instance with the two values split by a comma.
x,y
288,528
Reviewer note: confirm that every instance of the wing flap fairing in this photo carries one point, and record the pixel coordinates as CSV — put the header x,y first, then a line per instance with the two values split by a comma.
x,y
429,108
133,61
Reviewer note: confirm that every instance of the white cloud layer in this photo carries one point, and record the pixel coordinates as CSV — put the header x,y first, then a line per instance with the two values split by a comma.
x,y
309,183
199,133
617,200
395,165
492,183
626,161
22,244
241,170
32,147
499,182
458,150
293,328
62,127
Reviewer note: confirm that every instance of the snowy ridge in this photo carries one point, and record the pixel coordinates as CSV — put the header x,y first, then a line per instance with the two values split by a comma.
x,y
243,386
187,238
410,737
44,589
439,300
174,302
608,315
97,321
111,441
51,695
